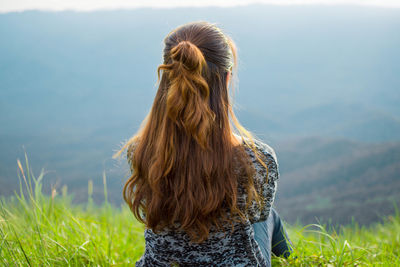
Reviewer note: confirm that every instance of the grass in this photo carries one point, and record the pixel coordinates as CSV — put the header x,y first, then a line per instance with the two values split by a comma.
x,y
48,230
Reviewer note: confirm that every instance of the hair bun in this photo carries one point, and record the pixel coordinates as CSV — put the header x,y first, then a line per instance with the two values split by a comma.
x,y
188,54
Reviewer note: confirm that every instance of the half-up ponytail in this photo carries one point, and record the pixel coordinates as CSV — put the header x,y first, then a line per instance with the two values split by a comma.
x,y
186,163
187,103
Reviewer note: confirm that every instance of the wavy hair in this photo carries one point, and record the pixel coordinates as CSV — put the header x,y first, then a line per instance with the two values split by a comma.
x,y
186,165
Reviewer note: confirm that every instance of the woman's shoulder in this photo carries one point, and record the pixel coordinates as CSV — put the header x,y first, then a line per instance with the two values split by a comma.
x,y
265,149
131,147
264,179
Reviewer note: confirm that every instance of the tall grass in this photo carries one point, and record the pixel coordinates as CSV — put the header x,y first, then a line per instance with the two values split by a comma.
x,y
40,230
47,230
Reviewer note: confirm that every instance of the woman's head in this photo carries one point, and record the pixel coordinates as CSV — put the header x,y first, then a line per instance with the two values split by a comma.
x,y
198,59
217,48
184,159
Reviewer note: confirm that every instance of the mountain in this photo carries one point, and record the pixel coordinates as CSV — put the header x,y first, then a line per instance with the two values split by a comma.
x,y
74,85
337,180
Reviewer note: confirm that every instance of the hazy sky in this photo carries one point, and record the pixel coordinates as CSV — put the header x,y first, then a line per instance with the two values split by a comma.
x,y
89,5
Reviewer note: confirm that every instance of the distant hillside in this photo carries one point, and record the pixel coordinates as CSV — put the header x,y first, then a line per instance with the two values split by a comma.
x,y
74,85
338,180
320,178
335,120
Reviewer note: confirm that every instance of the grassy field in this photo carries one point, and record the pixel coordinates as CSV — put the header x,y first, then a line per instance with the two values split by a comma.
x,y
42,230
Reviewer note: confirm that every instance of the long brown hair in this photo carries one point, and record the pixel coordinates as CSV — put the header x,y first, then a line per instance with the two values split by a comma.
x,y
184,161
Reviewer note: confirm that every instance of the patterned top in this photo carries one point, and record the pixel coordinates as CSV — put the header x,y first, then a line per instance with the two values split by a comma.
x,y
237,248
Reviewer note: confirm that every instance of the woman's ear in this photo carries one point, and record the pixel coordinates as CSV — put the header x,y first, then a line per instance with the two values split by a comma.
x,y
228,77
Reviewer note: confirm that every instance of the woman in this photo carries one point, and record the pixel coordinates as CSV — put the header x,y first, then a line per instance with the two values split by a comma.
x,y
203,191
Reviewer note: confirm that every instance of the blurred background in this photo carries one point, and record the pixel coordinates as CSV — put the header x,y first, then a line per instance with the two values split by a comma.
x,y
319,81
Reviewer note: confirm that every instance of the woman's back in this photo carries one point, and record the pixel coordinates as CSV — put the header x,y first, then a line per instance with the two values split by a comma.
x,y
222,248
196,187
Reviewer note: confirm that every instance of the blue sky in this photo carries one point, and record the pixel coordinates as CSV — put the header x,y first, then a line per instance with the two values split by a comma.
x,y
90,5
